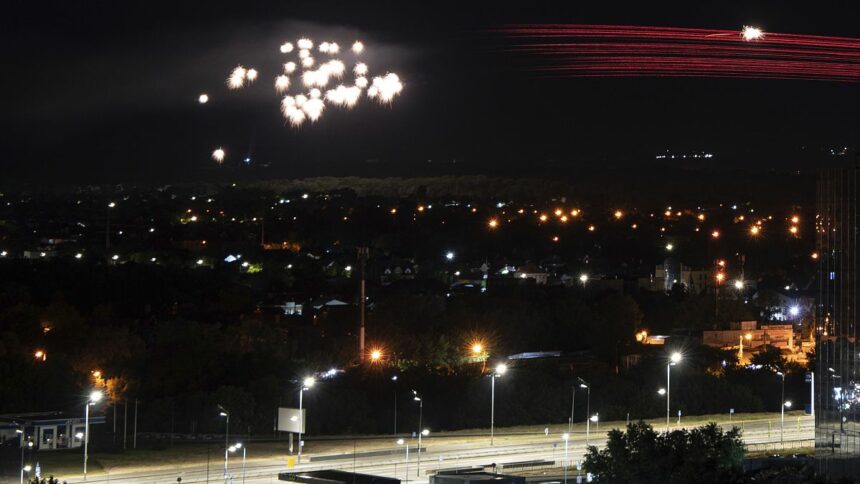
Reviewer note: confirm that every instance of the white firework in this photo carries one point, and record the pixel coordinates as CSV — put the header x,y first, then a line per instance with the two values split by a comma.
x,y
308,62
333,48
301,99
314,93
290,67
318,78
282,83
386,87
324,47
358,47
304,53
343,96
251,75
237,78
287,102
295,116
750,33
313,108
372,92
361,82
286,47
218,155
335,68
360,69
305,43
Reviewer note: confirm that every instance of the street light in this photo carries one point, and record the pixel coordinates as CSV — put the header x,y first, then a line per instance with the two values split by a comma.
x,y
95,397
226,414
782,407
403,442
673,360
449,256
587,387
566,437
234,448
739,284
500,370
375,356
307,384
420,401
394,379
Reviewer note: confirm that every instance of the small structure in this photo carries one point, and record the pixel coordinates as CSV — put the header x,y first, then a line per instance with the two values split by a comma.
x,y
331,476
475,477
47,430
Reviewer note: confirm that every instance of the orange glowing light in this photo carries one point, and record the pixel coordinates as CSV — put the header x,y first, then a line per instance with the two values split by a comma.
x,y
97,373
618,214
814,256
755,230
701,217
721,263
715,234
393,211
592,228
563,218
634,226
720,277
558,212
574,212
555,238
420,208
40,355
543,217
375,355
793,230
493,223
477,348
795,219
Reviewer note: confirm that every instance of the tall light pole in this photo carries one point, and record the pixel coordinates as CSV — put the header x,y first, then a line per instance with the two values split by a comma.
x,y
394,379
20,432
587,387
565,437
673,360
782,407
403,442
95,397
224,413
500,370
307,383
236,447
420,401
107,225
572,402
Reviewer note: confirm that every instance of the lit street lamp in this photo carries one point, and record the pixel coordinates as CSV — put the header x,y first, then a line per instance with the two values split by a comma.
x,y
403,442
587,408
394,379
95,397
673,360
307,383
421,432
224,413
782,407
565,437
500,370
234,448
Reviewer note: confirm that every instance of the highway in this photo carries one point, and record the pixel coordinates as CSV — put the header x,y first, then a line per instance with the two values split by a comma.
x,y
441,451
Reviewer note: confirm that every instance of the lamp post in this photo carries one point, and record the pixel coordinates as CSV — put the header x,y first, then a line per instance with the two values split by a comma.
x,y
95,397
500,370
572,402
224,413
420,401
782,407
394,379
307,383
587,387
596,419
236,447
21,443
403,442
673,360
565,437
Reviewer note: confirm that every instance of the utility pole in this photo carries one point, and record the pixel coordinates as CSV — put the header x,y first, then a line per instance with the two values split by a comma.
x,y
363,255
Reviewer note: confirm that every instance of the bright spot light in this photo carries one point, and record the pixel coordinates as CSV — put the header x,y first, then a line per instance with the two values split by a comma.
x,y
794,310
375,355
96,396
788,404
669,247
199,262
78,255
501,369
583,278
115,257
676,357
308,382
618,214
715,234
400,441
203,98
218,155
347,268
493,223
750,33
286,48
661,391
358,47
449,255
755,230
425,432
477,348
739,284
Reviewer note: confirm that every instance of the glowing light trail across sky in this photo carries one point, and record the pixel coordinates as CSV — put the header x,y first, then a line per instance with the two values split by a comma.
x,y
636,51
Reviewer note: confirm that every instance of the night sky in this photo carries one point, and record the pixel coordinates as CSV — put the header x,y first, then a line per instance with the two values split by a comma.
x,y
105,91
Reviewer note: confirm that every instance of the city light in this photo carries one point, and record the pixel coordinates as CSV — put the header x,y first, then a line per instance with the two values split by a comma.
x,y
755,230
96,396
661,391
203,98
739,284
493,223
583,278
40,355
501,369
750,33
676,357
669,247
449,255
794,310
375,355
721,276
477,348
715,234
308,382
618,214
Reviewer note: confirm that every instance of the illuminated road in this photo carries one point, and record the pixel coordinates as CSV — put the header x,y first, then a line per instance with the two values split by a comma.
x,y
442,451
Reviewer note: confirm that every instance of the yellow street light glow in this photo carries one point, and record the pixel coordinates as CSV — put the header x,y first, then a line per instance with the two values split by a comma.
x,y
375,355
676,357
574,212
748,336
755,230
308,382
715,234
591,228
720,277
793,230
493,223
543,217
739,284
795,219
558,212
618,214
814,255
477,348
563,218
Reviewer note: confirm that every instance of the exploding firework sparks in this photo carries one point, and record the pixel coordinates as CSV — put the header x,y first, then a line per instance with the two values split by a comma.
x,y
751,33
218,155
282,83
634,51
309,103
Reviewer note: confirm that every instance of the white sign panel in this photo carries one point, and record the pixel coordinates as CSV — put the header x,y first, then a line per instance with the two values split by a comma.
x,y
291,420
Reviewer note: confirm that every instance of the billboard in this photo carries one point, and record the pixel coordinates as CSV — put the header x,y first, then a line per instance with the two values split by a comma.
x,y
291,420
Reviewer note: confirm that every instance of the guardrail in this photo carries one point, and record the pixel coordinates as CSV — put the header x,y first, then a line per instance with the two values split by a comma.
x,y
785,445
